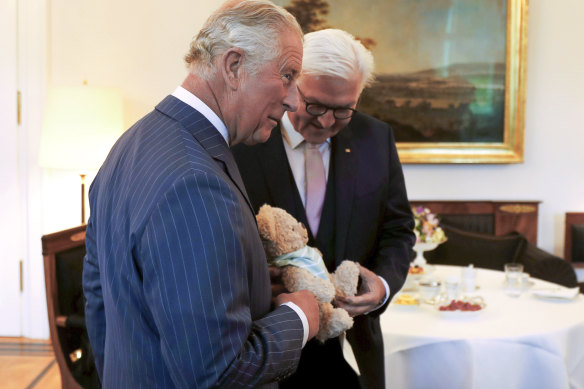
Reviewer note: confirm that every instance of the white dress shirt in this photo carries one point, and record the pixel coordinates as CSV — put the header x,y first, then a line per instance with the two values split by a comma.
x,y
294,146
188,98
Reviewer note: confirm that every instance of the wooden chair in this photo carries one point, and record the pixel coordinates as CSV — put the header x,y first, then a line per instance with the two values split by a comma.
x,y
574,241
492,252
482,250
63,254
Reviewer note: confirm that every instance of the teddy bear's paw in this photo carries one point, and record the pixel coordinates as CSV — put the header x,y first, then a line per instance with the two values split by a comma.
x,y
340,321
322,335
333,321
325,313
295,279
346,278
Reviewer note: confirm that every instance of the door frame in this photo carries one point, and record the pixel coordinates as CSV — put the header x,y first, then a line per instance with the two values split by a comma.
x,y
10,230
32,20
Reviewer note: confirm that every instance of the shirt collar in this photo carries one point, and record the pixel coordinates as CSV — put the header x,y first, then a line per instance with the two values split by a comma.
x,y
188,98
291,136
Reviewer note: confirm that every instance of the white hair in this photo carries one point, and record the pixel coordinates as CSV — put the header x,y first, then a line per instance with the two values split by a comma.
x,y
337,53
251,25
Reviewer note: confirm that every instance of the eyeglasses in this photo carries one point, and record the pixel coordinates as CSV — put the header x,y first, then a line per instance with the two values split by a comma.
x,y
317,109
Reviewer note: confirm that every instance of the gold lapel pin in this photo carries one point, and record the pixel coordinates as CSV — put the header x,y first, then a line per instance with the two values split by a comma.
x,y
347,150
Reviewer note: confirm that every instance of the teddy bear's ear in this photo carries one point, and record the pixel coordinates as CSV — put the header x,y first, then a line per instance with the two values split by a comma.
x,y
301,226
264,209
266,225
304,233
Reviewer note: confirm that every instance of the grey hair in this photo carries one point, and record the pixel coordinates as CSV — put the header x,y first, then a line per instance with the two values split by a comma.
x,y
337,53
251,25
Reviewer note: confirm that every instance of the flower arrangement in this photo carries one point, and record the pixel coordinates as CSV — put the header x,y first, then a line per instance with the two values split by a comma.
x,y
427,227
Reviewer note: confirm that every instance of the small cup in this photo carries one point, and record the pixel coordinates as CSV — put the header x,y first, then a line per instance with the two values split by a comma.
x,y
430,290
410,284
469,279
452,286
513,279
513,267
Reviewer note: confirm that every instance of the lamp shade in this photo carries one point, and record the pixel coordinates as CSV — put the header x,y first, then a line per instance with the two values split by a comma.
x,y
81,124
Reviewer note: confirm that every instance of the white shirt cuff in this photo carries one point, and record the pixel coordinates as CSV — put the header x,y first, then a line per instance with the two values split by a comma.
x,y
386,295
303,319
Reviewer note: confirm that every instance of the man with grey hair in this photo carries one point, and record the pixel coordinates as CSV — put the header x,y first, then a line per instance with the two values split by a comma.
x,y
175,277
338,171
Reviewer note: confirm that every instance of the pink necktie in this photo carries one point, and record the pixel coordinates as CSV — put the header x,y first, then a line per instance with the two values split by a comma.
x,y
315,185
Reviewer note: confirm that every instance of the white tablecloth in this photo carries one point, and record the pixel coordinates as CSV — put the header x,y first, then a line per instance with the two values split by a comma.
x,y
521,342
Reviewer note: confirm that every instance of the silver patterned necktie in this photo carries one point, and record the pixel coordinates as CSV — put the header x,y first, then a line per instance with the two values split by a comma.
x,y
315,185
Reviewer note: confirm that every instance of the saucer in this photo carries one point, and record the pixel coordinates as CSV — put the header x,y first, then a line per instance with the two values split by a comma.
x,y
556,294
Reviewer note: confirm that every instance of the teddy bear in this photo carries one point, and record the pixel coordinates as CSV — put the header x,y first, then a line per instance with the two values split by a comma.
x,y
285,243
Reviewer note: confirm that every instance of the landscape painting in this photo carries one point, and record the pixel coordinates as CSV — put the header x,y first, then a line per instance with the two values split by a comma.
x,y
449,74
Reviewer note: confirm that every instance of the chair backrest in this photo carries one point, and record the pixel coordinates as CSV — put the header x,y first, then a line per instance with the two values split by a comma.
x,y
574,238
492,252
482,250
546,266
63,254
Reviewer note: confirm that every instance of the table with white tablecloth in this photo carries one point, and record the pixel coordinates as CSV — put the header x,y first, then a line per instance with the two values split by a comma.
x,y
514,342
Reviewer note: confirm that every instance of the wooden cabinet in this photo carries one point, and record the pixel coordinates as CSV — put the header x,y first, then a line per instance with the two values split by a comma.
x,y
490,217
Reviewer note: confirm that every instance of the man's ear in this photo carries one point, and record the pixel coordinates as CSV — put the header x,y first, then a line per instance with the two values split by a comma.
x,y
232,67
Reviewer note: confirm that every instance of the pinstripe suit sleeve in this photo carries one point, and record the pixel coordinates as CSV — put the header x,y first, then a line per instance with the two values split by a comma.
x,y
94,307
197,285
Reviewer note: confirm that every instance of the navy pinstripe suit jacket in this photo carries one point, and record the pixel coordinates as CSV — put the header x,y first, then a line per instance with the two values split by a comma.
x,y
175,277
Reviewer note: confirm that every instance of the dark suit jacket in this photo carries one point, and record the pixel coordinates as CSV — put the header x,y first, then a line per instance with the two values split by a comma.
x,y
175,277
371,221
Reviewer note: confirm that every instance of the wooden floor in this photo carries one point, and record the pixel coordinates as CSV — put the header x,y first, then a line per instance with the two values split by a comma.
x,y
28,363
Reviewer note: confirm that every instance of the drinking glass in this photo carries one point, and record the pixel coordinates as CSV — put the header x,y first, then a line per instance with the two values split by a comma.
x,y
469,279
430,290
513,279
452,286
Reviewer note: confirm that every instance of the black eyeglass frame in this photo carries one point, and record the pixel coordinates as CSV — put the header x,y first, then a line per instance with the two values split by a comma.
x,y
326,108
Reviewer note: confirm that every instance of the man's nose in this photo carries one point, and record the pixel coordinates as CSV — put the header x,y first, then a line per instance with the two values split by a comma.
x,y
327,120
291,98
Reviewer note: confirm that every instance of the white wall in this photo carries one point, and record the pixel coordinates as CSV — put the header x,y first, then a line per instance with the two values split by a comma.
x,y
138,46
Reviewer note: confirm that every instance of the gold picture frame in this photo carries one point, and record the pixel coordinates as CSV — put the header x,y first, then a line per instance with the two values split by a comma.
x,y
511,149
465,102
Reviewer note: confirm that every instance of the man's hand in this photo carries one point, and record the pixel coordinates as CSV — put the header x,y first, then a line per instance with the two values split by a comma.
x,y
370,294
305,301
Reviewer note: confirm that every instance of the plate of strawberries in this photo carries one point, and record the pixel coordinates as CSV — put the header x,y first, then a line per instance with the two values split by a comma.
x,y
463,308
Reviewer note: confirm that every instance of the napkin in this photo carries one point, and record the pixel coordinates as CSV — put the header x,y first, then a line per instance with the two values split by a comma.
x,y
559,293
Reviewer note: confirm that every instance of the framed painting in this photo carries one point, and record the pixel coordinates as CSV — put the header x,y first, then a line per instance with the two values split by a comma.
x,y
450,74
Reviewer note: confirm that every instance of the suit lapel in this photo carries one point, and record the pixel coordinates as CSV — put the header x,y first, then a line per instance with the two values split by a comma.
x,y
345,180
284,192
207,136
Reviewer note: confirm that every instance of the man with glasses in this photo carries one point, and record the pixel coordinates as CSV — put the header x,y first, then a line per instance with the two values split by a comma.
x,y
337,171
